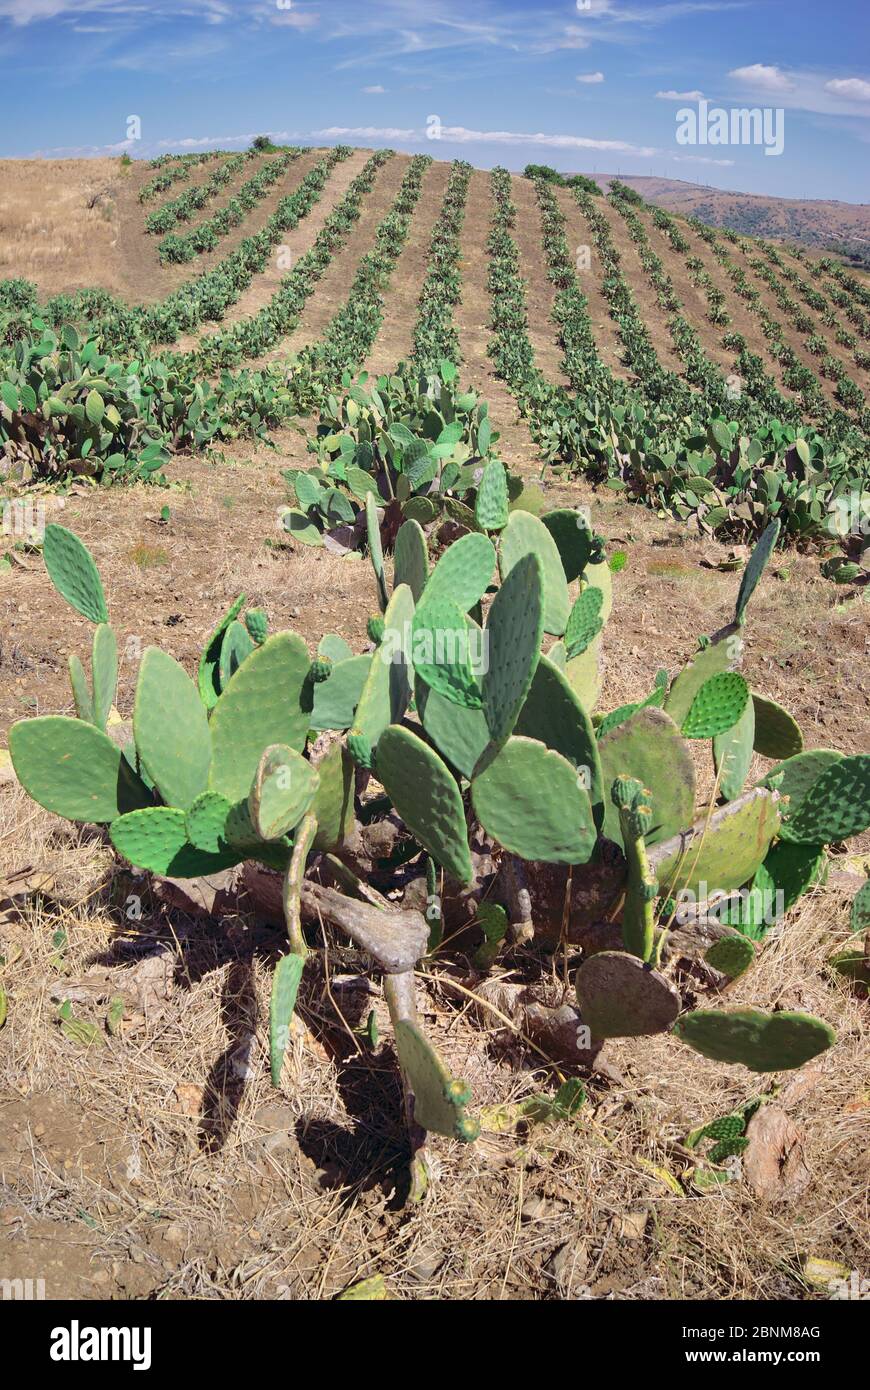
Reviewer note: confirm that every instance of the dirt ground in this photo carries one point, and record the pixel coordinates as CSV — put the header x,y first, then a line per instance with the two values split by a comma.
x,y
160,1162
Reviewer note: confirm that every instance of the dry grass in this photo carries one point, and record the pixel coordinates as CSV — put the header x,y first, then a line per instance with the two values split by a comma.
x,y
66,240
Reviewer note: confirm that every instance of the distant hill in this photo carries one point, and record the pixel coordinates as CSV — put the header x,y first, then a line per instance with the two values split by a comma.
x,y
822,224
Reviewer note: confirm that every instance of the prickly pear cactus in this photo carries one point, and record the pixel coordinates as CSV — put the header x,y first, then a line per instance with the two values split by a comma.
x,y
761,1041
73,573
439,1100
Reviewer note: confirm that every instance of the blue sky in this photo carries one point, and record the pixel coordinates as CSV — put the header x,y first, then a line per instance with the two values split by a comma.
x,y
582,84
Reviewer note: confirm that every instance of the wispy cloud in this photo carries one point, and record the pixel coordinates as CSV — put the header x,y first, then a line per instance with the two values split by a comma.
x,y
590,77
376,91
679,96
462,135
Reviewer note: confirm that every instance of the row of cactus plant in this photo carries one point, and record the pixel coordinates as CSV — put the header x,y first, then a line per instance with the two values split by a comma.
x,y
476,714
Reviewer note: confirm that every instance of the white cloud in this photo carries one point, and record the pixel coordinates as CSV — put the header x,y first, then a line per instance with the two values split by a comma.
x,y
590,77
461,135
295,19
369,132
853,88
680,96
763,78
375,91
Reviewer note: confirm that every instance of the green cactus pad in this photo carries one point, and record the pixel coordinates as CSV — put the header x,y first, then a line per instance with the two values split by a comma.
x,y
206,821
335,700
81,691
789,870
554,715
558,655
731,956
717,707
756,566
725,1127
573,540
257,624
208,676
425,794
648,747
262,705
156,839
464,571
621,997
73,573
104,669
724,853
285,987
284,788
859,917
335,648
171,730
836,806
777,734
585,674
600,576
513,635
439,1100
332,806
376,551
491,505
441,651
526,535
794,777
724,653
732,753
411,558
761,1041
236,646
73,769
387,689
584,622
460,734
530,799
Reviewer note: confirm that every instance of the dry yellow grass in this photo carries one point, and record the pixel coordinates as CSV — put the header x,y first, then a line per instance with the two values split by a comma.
x,y
66,240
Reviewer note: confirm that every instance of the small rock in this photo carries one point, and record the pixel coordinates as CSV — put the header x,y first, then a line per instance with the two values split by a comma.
x,y
633,1224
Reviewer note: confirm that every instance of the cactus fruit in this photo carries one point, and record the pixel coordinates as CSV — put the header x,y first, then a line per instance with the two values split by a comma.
x,y
648,747
321,669
632,803
376,551
777,734
717,706
573,538
491,504
258,625
442,653
531,801
171,730
73,573
425,794
731,956
553,715
208,675
262,705
526,535
439,1100
206,822
722,851
836,806
584,622
72,768
411,558
285,987
621,997
513,632
360,749
464,571
284,787
755,567
375,629
732,753
761,1041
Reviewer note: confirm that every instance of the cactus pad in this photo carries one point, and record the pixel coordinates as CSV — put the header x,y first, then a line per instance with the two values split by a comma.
x,y
794,777
573,540
859,917
332,806
73,573
717,706
156,839
208,677
439,1100
836,806
425,794
724,653
732,753
284,788
335,648
171,729
441,651
72,768
206,821
411,558
459,733
237,645
554,716
104,670
585,674
755,567
761,1041
376,551
513,634
777,734
285,987
262,705
526,535
464,571
81,691
621,997
584,622
491,504
531,800
723,853
731,956
648,747
387,689
335,700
